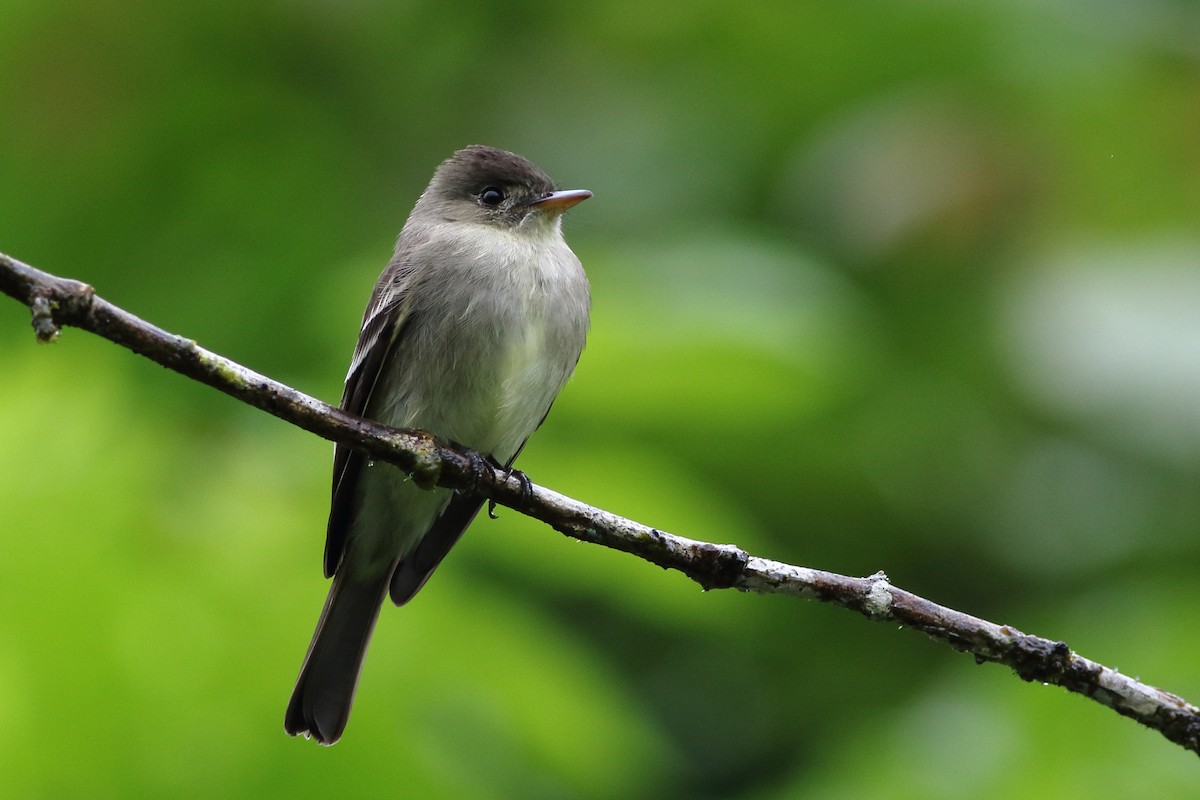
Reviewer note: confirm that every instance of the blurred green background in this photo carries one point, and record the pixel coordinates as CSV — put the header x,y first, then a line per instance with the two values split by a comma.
x,y
877,285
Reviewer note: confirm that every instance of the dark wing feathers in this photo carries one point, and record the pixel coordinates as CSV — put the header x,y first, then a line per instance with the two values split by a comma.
x,y
383,323
416,567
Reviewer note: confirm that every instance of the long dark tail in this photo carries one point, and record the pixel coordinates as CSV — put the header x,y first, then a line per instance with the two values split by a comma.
x,y
324,693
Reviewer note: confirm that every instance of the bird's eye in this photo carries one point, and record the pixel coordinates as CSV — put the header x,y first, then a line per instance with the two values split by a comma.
x,y
491,196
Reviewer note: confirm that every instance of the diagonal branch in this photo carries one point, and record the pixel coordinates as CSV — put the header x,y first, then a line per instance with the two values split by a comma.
x,y
55,302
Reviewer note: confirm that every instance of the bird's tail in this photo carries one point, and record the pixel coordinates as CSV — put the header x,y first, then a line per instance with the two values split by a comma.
x,y
320,704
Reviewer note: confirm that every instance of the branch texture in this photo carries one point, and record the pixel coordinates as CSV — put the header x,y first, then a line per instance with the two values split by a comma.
x,y
55,302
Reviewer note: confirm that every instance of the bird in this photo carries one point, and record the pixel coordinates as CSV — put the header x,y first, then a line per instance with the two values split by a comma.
x,y
472,330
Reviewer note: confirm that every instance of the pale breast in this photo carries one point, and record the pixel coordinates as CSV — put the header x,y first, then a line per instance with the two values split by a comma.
x,y
495,334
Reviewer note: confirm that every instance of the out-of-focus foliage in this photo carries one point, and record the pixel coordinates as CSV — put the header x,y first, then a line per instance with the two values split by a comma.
x,y
878,285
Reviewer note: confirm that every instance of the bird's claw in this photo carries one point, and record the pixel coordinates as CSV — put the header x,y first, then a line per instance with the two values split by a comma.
x,y
526,489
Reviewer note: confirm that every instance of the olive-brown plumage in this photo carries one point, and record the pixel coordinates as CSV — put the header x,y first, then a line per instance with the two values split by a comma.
x,y
471,331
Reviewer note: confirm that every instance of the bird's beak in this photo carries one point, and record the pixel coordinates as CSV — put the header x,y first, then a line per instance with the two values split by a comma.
x,y
558,202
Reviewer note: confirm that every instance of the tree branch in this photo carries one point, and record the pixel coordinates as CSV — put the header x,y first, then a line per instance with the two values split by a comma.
x,y
55,302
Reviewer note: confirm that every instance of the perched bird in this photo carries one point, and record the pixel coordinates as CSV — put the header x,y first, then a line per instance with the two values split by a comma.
x,y
471,332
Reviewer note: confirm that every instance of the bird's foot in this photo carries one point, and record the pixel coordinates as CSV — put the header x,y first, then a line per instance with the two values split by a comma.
x,y
526,489
481,468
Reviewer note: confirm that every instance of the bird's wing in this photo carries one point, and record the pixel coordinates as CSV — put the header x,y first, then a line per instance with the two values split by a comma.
x,y
416,567
387,315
